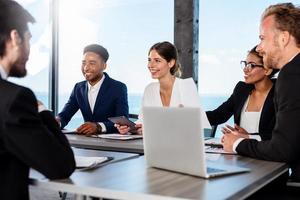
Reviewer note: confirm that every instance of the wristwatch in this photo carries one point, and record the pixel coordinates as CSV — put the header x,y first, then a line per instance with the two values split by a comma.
x,y
99,128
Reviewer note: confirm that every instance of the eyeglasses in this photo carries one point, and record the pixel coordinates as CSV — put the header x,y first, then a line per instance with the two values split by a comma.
x,y
249,66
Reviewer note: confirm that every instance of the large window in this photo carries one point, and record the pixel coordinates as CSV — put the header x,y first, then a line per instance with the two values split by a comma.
x,y
38,64
126,28
227,30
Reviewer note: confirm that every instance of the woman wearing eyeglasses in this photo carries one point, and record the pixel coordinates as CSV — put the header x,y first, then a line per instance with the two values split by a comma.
x,y
251,102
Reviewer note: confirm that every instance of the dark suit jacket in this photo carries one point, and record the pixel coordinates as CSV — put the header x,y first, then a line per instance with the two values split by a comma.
x,y
284,144
28,139
233,106
111,102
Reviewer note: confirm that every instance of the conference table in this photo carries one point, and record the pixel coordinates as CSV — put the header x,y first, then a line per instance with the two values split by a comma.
x,y
128,146
133,179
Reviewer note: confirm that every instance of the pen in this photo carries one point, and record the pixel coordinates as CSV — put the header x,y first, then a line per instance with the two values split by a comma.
x,y
214,145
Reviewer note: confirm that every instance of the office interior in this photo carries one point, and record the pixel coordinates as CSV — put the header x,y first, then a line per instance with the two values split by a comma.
x,y
211,36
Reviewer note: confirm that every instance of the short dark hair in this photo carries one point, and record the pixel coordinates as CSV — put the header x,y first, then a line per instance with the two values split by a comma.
x,y
97,49
168,51
12,16
287,18
260,57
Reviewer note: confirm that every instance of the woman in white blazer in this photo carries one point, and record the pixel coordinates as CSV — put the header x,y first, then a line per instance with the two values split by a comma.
x,y
169,91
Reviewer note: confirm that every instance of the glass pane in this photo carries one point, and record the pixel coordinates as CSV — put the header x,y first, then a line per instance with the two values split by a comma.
x,y
37,66
126,29
227,30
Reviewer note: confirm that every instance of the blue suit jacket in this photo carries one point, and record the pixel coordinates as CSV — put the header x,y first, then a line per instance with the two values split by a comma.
x,y
111,102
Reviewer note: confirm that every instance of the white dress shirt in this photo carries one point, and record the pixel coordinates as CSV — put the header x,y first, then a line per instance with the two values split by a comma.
x,y
184,93
3,73
250,122
93,91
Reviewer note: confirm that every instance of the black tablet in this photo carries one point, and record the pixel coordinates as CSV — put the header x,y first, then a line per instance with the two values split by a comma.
x,y
123,121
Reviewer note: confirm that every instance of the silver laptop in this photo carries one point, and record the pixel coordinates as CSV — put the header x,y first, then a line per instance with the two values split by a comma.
x,y
174,140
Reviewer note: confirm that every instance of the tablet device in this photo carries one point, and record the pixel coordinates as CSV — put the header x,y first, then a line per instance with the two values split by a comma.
x,y
123,121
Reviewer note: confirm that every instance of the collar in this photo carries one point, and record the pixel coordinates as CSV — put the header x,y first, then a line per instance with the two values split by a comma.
x,y
3,73
97,85
293,56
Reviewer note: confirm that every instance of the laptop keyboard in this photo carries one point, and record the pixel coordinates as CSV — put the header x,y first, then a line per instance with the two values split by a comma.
x,y
211,170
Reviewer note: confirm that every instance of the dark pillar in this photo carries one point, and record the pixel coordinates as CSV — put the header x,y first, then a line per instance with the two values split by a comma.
x,y
186,28
53,67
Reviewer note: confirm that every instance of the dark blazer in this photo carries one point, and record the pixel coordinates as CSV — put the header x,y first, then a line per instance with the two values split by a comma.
x,y
28,139
233,106
111,102
284,144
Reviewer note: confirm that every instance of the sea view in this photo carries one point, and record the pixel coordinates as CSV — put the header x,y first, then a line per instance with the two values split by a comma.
x,y
208,102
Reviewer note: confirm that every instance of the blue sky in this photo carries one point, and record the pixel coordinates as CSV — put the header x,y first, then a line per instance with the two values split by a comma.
x,y
228,29
127,28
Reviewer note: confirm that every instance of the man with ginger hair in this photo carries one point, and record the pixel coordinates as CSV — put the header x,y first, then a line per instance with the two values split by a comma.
x,y
280,48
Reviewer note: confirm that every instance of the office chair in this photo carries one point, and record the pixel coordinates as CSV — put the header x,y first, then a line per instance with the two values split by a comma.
x,y
293,184
133,117
210,133
293,190
62,195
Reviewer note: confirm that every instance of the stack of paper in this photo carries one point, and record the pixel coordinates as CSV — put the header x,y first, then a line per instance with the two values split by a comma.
x,y
83,162
213,141
211,149
69,131
114,136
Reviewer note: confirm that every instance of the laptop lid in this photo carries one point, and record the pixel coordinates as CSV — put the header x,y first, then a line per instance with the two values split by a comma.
x,y
174,140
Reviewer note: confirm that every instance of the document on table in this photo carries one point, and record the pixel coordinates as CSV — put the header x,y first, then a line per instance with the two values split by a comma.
x,y
213,141
214,145
69,131
212,149
84,162
115,136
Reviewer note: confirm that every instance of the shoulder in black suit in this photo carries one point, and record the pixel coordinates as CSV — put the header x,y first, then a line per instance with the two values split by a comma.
x,y
233,106
28,139
284,144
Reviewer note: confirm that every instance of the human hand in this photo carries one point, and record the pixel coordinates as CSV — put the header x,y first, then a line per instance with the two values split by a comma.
x,y
122,129
39,103
40,106
228,140
57,119
88,128
240,129
238,132
139,129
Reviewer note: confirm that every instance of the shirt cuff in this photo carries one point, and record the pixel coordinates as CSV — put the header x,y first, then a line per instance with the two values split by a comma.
x,y
42,108
103,127
255,137
236,143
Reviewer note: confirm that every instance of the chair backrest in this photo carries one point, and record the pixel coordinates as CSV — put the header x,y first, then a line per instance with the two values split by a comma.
x,y
210,133
133,117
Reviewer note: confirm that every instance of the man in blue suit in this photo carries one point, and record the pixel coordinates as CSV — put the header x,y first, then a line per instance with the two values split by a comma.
x,y
98,98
